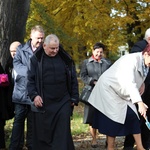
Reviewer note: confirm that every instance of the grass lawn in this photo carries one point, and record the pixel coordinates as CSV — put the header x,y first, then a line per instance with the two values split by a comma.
x,y
77,127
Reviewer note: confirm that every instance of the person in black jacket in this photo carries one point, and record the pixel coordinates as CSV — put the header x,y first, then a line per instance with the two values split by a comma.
x,y
145,132
6,111
53,88
6,105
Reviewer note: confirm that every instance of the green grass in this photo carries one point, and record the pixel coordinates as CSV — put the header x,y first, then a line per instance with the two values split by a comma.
x,y
77,126
8,129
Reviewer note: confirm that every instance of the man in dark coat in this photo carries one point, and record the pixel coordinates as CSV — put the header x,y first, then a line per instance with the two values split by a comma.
x,y
145,133
53,88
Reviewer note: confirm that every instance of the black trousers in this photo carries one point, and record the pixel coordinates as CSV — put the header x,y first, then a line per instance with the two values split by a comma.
x,y
2,133
145,135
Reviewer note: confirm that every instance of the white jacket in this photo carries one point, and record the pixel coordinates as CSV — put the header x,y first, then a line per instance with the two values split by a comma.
x,y
118,87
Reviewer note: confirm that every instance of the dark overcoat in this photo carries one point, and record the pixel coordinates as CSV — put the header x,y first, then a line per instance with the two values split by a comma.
x,y
52,121
6,105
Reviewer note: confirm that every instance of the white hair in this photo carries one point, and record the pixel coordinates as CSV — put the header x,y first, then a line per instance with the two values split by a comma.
x,y
51,37
147,34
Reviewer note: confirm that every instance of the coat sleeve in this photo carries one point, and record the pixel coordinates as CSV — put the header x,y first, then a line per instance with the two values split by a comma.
x,y
19,67
74,86
84,74
128,81
31,85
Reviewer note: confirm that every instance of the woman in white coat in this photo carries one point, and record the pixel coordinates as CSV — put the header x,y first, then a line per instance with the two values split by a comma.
x,y
116,94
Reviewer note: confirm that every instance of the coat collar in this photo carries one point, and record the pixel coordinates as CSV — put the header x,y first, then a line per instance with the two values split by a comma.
x,y
63,54
92,60
141,66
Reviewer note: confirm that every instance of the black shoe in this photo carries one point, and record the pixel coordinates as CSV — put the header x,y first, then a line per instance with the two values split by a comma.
x,y
128,148
29,148
94,145
106,144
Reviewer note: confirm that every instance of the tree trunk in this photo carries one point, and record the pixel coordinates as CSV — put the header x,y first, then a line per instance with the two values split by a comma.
x,y
13,17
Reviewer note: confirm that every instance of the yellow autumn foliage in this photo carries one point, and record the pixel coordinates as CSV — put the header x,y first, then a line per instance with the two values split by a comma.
x,y
81,23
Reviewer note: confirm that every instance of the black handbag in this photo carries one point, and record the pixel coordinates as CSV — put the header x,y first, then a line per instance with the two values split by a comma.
x,y
85,94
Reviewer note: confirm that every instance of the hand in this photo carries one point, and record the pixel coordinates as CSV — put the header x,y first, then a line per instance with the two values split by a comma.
x,y
95,82
72,104
142,108
142,88
38,102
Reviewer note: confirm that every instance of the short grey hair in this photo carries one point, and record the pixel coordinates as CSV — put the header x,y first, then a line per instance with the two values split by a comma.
x,y
51,37
147,34
37,28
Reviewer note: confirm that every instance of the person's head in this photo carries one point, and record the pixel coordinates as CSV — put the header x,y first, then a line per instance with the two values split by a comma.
x,y
147,35
37,36
146,55
51,45
13,48
98,50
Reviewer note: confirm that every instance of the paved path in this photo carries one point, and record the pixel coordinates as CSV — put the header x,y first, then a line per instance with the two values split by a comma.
x,y
85,143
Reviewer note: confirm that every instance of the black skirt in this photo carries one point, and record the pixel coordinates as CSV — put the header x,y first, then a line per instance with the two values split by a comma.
x,y
111,128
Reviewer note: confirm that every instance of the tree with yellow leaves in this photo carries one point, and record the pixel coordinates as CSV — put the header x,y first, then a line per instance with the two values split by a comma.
x,y
81,23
